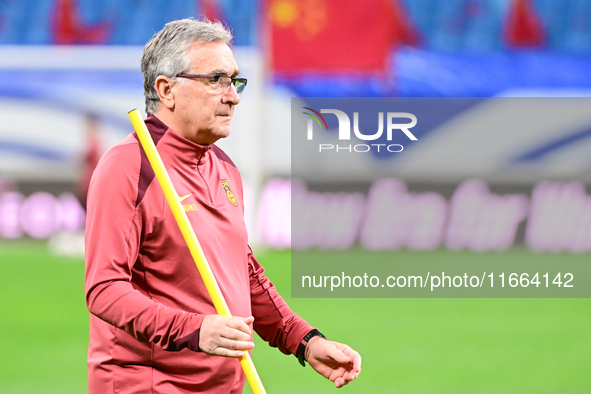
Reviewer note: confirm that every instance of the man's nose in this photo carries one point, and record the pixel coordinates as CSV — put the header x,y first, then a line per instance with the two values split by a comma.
x,y
231,95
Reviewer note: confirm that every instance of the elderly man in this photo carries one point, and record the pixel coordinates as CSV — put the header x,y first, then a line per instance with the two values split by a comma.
x,y
153,327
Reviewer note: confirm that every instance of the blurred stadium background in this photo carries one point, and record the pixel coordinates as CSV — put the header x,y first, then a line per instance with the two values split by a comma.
x,y
69,73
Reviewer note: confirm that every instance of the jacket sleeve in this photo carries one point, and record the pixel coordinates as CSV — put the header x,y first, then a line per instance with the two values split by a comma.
x,y
115,228
274,321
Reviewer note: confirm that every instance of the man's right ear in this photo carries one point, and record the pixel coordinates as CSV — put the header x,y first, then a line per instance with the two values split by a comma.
x,y
164,86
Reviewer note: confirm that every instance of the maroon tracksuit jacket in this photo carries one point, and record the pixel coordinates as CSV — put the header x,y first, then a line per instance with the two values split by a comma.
x,y
146,297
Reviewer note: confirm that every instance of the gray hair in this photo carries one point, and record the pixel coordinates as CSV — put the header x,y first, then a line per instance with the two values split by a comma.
x,y
167,52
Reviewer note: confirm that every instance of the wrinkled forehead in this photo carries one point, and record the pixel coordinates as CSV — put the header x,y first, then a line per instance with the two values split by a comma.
x,y
212,58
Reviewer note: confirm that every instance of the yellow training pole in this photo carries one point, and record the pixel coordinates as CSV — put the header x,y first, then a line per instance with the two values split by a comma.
x,y
190,238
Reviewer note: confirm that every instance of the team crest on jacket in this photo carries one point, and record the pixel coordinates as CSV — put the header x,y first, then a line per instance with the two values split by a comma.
x,y
229,193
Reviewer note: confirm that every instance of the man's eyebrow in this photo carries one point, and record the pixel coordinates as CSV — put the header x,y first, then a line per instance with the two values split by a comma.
x,y
224,72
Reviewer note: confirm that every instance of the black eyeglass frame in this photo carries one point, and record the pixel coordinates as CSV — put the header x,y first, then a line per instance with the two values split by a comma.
x,y
216,78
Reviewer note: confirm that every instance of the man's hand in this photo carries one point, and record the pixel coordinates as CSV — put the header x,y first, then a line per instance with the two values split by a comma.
x,y
225,336
333,360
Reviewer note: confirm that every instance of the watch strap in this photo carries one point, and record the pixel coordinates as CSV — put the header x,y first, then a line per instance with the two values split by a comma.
x,y
301,352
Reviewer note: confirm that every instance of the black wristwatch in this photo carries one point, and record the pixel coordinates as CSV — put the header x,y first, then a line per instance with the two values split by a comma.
x,y
301,352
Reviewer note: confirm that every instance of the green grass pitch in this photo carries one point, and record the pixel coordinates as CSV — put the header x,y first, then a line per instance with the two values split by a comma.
x,y
408,345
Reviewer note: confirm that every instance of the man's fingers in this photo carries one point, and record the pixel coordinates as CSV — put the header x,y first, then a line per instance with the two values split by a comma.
x,y
350,375
247,320
228,353
235,334
225,336
347,377
339,382
354,357
236,345
241,323
228,348
335,361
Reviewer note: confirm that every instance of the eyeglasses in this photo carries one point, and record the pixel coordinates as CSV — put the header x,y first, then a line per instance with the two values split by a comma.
x,y
220,82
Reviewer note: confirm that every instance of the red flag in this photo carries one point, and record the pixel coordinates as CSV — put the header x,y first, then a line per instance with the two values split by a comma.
x,y
404,30
92,154
523,27
336,35
211,10
69,29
